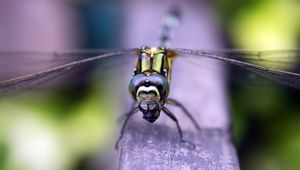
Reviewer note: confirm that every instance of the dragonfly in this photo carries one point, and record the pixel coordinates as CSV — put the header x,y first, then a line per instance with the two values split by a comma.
x,y
150,83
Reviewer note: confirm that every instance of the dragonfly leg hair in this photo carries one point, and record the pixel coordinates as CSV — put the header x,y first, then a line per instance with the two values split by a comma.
x,y
185,111
127,117
173,117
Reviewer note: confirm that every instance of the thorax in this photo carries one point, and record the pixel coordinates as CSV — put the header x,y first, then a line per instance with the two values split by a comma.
x,y
154,61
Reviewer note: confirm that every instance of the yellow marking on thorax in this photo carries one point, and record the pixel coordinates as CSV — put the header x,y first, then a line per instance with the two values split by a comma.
x,y
155,61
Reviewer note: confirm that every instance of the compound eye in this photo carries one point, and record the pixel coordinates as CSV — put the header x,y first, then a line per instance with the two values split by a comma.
x,y
146,81
135,83
161,84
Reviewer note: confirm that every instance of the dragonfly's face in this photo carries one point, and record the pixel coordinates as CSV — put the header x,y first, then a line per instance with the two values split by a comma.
x,y
150,110
149,91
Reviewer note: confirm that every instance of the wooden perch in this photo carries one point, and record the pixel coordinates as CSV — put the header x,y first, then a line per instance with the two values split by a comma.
x,y
158,147
197,84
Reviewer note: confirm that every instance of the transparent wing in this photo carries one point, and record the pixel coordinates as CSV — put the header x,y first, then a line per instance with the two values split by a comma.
x,y
19,84
18,63
277,59
275,65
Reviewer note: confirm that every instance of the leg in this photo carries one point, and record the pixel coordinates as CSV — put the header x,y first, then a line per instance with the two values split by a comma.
x,y
176,103
172,116
122,117
127,116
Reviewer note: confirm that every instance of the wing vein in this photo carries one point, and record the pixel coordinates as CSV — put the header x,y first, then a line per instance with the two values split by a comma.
x,y
280,76
16,85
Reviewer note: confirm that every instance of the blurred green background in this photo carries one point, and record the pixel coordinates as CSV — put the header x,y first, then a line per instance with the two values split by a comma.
x,y
266,121
69,127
